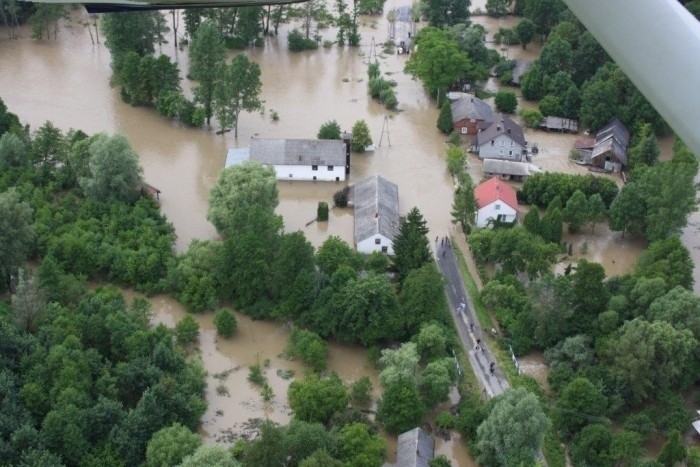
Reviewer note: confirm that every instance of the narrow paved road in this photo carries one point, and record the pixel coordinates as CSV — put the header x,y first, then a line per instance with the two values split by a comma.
x,y
470,333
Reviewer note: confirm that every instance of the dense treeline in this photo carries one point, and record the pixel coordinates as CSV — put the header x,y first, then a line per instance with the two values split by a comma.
x,y
620,349
92,382
97,386
85,379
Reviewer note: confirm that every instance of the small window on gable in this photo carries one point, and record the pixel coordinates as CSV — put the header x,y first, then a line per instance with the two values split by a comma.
x,y
377,241
314,167
464,130
330,168
497,207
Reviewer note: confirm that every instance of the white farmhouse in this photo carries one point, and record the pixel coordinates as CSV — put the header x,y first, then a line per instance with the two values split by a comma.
x,y
297,159
500,139
495,201
376,202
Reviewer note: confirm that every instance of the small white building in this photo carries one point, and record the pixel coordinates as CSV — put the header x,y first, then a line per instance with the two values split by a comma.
x,y
297,159
495,201
500,139
376,202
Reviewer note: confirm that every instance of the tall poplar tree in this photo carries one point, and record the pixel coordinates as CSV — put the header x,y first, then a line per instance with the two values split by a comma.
x,y
411,245
207,61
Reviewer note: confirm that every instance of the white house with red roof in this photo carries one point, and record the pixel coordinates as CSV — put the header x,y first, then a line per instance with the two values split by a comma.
x,y
495,201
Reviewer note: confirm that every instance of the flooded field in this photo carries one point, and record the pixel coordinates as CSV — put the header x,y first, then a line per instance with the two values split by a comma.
x,y
233,400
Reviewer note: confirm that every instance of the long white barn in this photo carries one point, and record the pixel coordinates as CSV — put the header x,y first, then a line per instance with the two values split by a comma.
x,y
376,202
297,159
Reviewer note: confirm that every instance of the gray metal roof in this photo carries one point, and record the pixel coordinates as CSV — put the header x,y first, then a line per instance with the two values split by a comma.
x,y
376,201
236,156
613,137
559,123
497,166
471,107
501,125
415,449
297,151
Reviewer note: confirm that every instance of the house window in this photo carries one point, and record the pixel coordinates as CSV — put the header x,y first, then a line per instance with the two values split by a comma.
x,y
290,175
337,179
314,167
497,207
377,241
464,130
385,249
314,177
501,218
330,168
510,153
493,142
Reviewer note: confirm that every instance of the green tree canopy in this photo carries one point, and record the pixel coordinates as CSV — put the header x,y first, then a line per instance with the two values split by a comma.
x,y
506,102
361,138
444,122
115,173
439,62
170,445
330,130
400,408
443,13
238,190
358,446
207,60
577,403
238,90
16,234
464,204
411,244
315,399
514,430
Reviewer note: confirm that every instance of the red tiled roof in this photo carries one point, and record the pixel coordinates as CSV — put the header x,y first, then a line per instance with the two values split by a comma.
x,y
494,189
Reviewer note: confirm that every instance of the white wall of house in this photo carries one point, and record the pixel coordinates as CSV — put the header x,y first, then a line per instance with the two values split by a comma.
x,y
308,172
501,147
376,243
493,211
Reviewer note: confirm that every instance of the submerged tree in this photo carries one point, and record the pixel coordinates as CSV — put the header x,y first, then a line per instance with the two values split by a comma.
x,y
207,59
238,90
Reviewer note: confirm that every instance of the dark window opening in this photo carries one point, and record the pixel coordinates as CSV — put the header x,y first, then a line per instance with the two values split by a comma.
x,y
314,167
377,241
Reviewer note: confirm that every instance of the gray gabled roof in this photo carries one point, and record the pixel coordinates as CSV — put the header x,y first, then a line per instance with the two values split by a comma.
x,y
613,137
376,201
297,151
471,107
415,449
501,125
497,166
